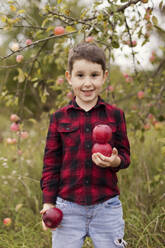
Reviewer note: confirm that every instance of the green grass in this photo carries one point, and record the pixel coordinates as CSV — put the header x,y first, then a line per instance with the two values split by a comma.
x,y
141,187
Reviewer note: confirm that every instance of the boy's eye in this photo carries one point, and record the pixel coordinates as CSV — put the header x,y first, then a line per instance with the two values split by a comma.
x,y
80,75
94,74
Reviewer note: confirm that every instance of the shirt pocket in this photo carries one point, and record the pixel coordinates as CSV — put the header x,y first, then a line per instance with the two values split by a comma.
x,y
70,135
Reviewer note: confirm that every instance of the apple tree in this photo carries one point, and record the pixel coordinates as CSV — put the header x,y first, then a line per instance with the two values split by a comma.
x,y
38,35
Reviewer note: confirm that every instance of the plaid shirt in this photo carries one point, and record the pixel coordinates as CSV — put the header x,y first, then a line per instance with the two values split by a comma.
x,y
68,169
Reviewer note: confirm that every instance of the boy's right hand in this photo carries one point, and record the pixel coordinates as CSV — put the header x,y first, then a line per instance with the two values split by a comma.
x,y
46,206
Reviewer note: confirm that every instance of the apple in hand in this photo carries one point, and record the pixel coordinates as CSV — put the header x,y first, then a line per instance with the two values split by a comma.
x,y
102,133
104,149
52,217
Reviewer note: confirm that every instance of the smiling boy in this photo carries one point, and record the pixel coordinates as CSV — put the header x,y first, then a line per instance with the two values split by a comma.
x,y
82,185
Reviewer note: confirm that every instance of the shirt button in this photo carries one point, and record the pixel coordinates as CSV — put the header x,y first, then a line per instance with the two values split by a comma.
x,y
87,129
86,182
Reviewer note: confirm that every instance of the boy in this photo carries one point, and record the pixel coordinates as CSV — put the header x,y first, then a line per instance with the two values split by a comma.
x,y
82,185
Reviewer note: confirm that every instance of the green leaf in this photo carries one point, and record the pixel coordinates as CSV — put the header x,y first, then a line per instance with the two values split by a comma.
x,y
44,22
21,11
13,8
21,76
161,5
155,20
70,29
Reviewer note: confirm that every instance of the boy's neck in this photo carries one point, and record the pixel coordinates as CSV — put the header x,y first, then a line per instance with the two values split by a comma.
x,y
88,106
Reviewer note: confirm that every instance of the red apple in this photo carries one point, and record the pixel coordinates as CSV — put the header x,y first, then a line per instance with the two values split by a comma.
x,y
104,149
69,95
52,217
14,127
140,94
19,58
24,135
59,30
14,118
89,39
60,80
7,221
102,133
28,42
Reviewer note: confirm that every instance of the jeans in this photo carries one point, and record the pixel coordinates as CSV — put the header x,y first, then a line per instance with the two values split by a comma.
x,y
102,222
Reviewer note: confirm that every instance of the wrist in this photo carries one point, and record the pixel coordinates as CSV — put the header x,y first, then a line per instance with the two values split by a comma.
x,y
117,162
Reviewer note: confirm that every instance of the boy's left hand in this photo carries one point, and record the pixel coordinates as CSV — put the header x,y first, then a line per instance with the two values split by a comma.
x,y
103,161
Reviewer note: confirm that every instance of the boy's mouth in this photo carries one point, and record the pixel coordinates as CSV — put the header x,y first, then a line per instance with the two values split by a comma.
x,y
87,92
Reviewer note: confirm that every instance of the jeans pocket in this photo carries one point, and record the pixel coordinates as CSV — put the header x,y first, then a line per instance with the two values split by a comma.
x,y
113,203
64,205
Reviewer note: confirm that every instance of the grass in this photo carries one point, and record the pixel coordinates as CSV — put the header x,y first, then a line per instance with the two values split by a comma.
x,y
141,187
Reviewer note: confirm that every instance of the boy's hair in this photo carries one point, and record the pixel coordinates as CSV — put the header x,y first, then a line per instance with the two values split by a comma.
x,y
87,51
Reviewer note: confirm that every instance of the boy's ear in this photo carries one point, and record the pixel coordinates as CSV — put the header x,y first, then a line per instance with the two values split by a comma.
x,y
68,76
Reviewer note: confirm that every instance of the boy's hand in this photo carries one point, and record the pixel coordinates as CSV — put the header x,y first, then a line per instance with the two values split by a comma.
x,y
103,161
46,206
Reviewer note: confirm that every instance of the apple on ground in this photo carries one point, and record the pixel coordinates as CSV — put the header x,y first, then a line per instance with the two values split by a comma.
x,y
102,133
7,221
104,149
52,217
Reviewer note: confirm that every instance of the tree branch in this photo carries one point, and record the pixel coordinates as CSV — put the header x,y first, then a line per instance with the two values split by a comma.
x,y
28,26
36,43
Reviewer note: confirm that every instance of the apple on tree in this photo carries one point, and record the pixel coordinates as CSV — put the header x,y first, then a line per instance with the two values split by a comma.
x,y
59,30
19,58
52,217
14,127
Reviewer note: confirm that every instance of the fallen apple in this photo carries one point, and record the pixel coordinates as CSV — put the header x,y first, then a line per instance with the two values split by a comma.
x,y
7,221
52,217
102,133
104,149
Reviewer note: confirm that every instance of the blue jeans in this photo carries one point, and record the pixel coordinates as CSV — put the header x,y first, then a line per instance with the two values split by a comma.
x,y
102,222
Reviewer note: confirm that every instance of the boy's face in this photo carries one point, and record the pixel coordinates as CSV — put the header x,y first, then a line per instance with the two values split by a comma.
x,y
86,79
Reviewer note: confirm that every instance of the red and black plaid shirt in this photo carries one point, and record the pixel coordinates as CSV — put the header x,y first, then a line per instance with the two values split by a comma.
x,y
68,169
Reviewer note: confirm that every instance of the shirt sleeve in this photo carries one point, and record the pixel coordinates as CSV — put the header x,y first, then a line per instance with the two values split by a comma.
x,y
122,142
52,163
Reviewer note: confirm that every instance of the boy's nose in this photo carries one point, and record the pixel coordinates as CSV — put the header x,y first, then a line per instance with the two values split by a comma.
x,y
87,82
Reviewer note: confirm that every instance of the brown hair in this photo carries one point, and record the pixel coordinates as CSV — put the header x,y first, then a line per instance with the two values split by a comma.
x,y
88,51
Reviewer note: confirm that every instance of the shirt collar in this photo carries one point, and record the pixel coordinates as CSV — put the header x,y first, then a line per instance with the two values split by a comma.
x,y
73,103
